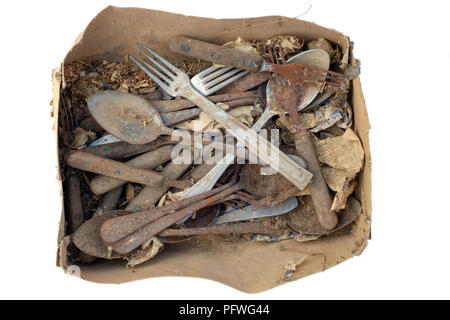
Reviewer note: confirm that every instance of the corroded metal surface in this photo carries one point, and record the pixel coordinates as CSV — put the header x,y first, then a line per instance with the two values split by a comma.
x,y
118,170
177,83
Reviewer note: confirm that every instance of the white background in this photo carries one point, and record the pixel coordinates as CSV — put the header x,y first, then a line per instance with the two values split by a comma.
x,y
405,54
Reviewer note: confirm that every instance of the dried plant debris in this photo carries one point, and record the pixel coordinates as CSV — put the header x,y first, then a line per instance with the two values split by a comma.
x,y
193,66
291,45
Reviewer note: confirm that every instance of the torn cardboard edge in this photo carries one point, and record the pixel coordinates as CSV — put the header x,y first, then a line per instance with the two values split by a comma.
x,y
261,265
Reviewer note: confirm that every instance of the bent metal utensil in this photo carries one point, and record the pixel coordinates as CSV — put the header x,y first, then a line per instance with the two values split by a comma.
x,y
176,83
304,74
255,212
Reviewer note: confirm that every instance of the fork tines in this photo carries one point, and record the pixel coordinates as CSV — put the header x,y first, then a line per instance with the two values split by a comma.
x,y
313,76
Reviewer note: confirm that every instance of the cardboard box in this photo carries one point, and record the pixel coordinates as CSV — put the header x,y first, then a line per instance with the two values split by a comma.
x,y
247,266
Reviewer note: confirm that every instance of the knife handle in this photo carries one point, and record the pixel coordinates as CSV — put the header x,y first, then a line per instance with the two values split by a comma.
x,y
115,169
216,54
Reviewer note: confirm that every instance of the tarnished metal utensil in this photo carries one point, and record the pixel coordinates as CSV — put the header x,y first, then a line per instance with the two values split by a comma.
x,y
87,237
125,234
203,218
118,170
214,78
101,184
122,149
177,83
254,212
314,57
235,228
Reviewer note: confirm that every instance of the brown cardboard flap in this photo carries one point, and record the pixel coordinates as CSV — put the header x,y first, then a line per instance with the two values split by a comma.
x,y
248,266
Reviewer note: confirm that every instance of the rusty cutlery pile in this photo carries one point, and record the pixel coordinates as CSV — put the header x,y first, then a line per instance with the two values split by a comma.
x,y
139,138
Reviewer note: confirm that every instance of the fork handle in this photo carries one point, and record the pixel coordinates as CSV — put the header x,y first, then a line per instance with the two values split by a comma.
x,y
252,140
216,54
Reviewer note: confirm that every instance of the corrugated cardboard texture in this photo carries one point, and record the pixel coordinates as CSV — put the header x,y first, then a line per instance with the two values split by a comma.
x,y
247,266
